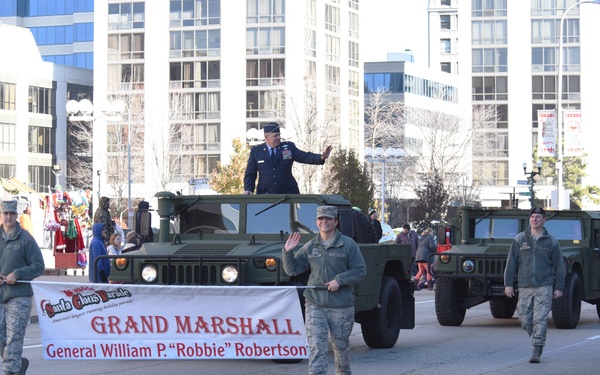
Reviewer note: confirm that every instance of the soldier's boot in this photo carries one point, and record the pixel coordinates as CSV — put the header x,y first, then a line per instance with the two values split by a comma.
x,y
536,354
24,365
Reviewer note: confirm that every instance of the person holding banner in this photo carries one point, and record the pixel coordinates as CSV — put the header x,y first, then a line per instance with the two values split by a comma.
x,y
336,262
20,259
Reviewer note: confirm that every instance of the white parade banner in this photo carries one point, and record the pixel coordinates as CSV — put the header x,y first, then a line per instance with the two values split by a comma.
x,y
120,321
546,133
573,132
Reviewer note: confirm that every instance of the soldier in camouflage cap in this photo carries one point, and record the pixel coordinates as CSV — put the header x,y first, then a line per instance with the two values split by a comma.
x,y
336,262
20,259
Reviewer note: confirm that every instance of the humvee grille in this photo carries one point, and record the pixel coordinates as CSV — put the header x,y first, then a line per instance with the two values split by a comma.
x,y
491,267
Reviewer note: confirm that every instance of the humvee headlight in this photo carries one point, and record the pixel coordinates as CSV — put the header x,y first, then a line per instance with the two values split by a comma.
x,y
229,274
121,263
468,266
149,273
271,264
444,259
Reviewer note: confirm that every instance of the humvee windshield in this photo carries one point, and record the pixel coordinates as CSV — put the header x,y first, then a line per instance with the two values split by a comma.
x,y
496,228
225,218
564,229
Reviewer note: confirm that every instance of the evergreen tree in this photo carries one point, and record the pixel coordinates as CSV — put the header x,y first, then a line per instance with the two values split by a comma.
x,y
432,200
347,177
229,178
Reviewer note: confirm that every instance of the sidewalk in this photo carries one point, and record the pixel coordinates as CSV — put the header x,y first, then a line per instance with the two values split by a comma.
x,y
50,274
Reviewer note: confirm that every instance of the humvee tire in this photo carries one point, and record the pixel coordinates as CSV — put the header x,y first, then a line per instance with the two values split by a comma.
x,y
598,310
503,308
449,295
566,310
381,326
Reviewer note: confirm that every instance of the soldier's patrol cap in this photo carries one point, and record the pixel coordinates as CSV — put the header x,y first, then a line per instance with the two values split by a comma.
x,y
327,211
537,210
271,127
9,206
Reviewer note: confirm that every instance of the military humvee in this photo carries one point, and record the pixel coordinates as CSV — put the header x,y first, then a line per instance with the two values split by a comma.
x,y
472,271
237,240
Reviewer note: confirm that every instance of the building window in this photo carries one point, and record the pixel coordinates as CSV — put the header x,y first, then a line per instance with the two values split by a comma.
x,y
353,4
7,137
310,39
489,60
332,18
489,32
353,25
386,82
490,172
7,170
546,31
445,2
265,11
537,107
491,144
265,41
445,46
195,74
490,88
488,8
264,104
445,22
446,67
123,16
332,78
40,177
311,12
40,140
195,43
265,72
194,137
552,8
125,77
40,100
187,167
544,59
332,45
545,88
353,83
195,13
199,105
125,46
7,96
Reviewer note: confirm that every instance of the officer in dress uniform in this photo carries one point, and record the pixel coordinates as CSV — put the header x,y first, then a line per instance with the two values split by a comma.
x,y
272,161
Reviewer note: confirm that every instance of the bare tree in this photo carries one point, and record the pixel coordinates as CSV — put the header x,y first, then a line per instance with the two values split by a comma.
x,y
79,162
384,126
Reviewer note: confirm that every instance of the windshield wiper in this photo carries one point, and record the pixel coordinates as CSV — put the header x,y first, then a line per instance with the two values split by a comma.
x,y
271,206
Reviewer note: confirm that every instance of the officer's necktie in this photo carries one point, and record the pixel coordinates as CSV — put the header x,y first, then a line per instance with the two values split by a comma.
x,y
272,154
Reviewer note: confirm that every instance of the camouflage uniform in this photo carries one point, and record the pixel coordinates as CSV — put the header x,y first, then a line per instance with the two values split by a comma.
x,y
14,313
534,307
328,312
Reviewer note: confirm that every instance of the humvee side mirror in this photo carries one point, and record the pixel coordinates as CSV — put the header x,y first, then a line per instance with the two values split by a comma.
x,y
346,224
441,234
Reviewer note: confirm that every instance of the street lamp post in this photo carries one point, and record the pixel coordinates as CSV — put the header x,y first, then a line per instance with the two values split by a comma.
x,y
531,175
559,119
379,155
56,171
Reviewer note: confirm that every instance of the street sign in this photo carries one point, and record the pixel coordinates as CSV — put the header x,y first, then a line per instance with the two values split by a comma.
x,y
525,193
198,181
522,182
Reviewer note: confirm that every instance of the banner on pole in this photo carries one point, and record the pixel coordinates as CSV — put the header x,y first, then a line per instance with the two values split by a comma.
x,y
119,321
546,133
573,133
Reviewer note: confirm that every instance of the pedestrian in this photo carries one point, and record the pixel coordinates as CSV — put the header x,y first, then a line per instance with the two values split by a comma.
x,y
425,248
102,215
411,237
99,271
376,223
336,262
20,260
535,257
132,242
25,220
115,245
273,160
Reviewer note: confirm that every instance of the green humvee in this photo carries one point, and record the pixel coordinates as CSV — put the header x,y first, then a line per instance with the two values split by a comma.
x,y
472,271
237,240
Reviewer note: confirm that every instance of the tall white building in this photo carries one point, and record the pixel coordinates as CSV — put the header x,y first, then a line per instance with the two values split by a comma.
x,y
197,74
508,53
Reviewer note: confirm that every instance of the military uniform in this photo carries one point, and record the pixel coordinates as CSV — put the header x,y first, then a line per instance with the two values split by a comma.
x,y
275,176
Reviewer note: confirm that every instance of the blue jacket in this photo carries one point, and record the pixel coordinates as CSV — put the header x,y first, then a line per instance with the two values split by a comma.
x,y
276,177
97,248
